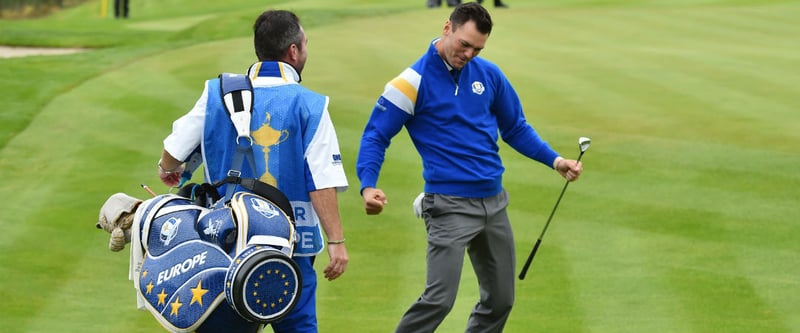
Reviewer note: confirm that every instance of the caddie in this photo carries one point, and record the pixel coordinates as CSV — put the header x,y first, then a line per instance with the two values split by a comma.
x,y
294,148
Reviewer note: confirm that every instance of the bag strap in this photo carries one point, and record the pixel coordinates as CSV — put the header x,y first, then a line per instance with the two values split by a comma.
x,y
236,91
237,95
262,189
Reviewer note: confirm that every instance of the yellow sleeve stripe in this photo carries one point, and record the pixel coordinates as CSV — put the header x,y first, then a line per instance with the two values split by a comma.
x,y
402,90
405,87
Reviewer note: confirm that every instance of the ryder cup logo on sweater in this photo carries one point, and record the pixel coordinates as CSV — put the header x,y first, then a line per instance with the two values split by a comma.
x,y
477,87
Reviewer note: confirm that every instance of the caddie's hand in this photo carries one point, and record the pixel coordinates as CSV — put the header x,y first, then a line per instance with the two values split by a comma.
x,y
374,200
569,169
338,261
170,178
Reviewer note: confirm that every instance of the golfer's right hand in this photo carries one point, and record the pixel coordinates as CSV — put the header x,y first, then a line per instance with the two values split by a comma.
x,y
374,200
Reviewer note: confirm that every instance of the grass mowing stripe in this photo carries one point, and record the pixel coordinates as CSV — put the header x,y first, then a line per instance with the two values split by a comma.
x,y
91,306
694,81
713,26
617,274
698,95
704,288
654,26
699,291
668,251
751,22
782,15
548,299
579,90
46,237
697,256
668,189
774,280
710,101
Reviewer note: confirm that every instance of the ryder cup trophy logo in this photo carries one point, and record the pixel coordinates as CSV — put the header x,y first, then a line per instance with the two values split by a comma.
x,y
478,88
264,208
169,230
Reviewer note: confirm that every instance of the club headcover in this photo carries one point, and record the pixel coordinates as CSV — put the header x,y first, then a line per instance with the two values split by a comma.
x,y
116,218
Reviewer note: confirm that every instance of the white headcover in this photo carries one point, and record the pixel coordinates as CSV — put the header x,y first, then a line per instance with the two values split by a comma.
x,y
116,217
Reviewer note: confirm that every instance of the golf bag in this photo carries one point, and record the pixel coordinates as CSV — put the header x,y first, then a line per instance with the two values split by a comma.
x,y
196,258
202,249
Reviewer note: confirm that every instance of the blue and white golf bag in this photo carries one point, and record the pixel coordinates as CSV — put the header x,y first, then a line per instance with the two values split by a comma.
x,y
205,250
197,258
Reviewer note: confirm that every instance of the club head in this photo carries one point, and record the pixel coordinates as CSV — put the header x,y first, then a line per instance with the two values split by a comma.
x,y
583,143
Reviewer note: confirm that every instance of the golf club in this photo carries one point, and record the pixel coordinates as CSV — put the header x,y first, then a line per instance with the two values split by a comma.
x,y
583,144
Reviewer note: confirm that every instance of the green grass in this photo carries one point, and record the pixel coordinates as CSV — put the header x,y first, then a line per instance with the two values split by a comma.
x,y
684,221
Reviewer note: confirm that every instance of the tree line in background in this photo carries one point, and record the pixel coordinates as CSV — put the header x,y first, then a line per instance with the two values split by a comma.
x,y
32,8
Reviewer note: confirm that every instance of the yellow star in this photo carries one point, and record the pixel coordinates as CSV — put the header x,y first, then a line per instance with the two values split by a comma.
x,y
197,293
283,276
144,274
162,297
149,287
175,306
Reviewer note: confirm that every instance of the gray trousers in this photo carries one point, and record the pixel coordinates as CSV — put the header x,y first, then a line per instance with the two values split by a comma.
x,y
481,228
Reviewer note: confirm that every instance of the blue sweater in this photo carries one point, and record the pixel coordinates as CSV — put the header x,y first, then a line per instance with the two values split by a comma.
x,y
454,125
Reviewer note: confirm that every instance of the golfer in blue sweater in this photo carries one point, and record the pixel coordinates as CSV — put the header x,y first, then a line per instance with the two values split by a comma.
x,y
453,105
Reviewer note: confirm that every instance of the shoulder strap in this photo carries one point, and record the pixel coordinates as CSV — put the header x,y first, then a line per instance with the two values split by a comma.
x,y
237,95
236,91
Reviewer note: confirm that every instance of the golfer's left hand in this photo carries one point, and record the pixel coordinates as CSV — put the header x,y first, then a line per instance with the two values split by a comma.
x,y
569,169
338,261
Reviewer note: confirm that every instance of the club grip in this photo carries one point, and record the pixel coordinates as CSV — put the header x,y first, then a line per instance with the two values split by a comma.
x,y
530,259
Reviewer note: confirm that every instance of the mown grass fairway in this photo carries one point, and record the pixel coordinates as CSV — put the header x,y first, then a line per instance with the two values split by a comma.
x,y
685,220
